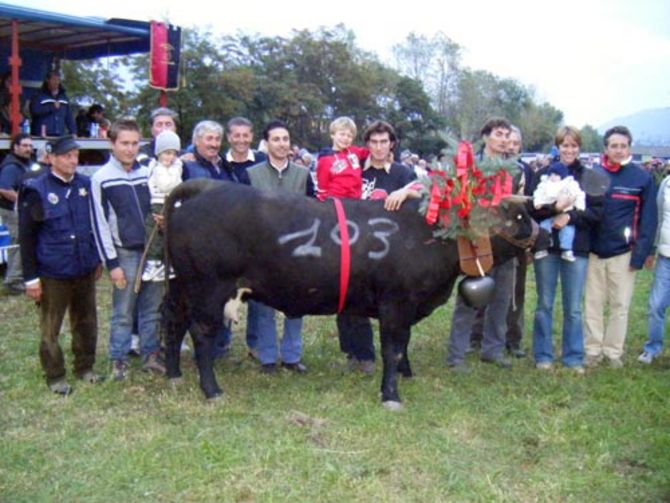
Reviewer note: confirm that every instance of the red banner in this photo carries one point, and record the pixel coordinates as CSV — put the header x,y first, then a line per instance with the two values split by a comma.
x,y
165,56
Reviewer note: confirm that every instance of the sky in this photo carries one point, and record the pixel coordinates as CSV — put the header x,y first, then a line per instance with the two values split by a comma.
x,y
595,60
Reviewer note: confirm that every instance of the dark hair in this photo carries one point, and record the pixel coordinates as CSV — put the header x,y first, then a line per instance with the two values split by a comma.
x,y
622,130
95,108
275,124
379,127
45,84
494,123
238,121
18,139
122,125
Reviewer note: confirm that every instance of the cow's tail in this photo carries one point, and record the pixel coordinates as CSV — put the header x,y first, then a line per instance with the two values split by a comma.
x,y
178,195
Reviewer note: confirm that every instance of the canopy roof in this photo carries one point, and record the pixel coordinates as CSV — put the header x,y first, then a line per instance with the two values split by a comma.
x,y
70,37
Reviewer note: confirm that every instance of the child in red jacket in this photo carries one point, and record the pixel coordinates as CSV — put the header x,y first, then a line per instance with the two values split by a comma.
x,y
339,168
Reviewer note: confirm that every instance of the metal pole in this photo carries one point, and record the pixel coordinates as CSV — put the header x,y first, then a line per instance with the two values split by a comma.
x,y
15,87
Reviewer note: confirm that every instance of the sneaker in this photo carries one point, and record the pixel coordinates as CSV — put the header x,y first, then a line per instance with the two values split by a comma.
x,y
154,270
616,363
91,377
568,255
517,352
458,368
269,368
544,366
577,369
541,254
119,370
61,387
154,363
646,357
500,362
297,367
592,360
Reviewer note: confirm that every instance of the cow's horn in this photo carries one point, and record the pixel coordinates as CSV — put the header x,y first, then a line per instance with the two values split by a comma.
x,y
517,199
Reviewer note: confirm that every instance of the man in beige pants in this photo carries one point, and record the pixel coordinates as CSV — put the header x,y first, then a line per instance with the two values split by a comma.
x,y
621,245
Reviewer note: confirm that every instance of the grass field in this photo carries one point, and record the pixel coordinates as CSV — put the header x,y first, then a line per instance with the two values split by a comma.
x,y
490,435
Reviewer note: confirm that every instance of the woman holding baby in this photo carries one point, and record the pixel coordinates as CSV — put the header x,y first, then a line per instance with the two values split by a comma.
x,y
561,203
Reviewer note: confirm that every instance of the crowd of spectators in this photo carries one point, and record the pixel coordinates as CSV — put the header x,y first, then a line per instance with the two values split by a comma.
x,y
70,227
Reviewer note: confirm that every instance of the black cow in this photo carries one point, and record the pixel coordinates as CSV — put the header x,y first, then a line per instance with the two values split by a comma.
x,y
285,249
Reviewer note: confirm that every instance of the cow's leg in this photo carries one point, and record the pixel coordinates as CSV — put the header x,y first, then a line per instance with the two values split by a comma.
x,y
394,331
175,322
404,366
203,341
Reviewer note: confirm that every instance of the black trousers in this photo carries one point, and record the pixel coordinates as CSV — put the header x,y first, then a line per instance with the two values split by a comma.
x,y
77,296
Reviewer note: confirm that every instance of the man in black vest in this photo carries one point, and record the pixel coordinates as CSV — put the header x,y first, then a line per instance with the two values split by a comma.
x,y
61,262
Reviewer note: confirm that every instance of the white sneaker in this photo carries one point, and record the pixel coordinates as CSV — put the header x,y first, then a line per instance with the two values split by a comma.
x,y
154,270
568,255
541,254
646,357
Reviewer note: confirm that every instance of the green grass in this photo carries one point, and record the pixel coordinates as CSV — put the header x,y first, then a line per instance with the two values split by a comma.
x,y
490,435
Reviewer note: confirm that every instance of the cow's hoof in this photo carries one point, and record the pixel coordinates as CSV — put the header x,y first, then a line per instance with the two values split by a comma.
x,y
392,405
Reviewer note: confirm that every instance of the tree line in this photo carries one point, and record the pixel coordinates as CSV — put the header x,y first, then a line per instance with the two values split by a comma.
x,y
311,77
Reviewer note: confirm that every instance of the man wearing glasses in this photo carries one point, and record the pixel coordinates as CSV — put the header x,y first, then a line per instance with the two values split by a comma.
x,y
13,170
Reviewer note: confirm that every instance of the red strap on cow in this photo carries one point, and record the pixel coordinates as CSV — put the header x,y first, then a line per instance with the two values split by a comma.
x,y
345,253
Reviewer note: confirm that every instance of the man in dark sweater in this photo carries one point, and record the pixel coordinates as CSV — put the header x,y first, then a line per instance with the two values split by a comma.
x,y
389,181
13,170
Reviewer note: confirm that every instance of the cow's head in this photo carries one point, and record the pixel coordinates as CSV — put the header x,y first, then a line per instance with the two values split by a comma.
x,y
518,228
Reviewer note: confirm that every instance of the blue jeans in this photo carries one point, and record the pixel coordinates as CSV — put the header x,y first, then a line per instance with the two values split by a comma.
x,y
573,277
659,301
147,301
566,236
291,343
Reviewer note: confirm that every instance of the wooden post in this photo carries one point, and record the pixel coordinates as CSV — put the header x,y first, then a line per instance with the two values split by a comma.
x,y
162,99
15,87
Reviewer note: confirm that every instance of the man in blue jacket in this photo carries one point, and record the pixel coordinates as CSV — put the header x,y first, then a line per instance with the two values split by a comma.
x,y
60,262
50,109
620,246
208,163
121,203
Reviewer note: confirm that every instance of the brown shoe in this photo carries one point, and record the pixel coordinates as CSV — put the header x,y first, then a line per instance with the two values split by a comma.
x,y
154,363
61,387
91,377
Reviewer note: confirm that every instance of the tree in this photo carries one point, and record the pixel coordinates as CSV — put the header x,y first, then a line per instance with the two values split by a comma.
x,y
592,140
98,81
539,124
432,61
